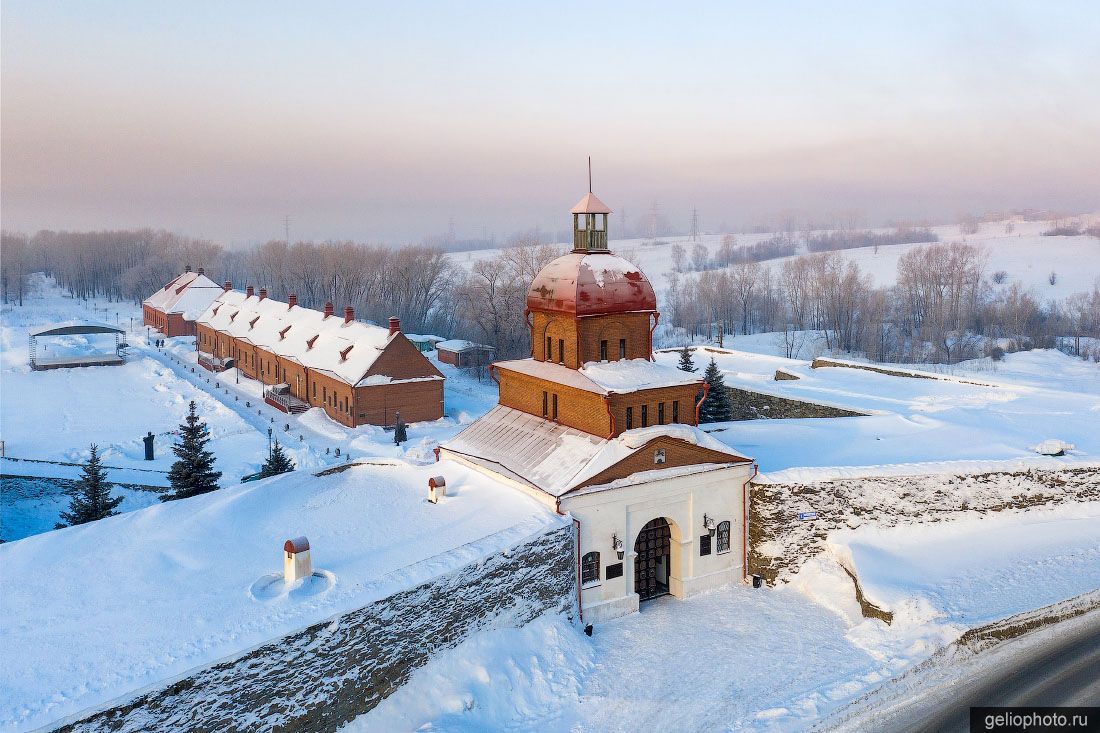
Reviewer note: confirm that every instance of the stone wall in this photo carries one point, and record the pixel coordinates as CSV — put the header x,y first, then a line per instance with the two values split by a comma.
x,y
322,677
758,405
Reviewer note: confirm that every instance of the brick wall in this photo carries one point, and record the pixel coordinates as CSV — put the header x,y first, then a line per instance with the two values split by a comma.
x,y
676,453
323,676
652,399
633,327
577,408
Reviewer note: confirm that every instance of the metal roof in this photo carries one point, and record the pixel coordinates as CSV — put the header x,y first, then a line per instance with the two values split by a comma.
x,y
74,329
591,284
590,205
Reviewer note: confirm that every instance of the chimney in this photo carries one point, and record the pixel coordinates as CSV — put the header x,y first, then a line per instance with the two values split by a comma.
x,y
248,292
291,301
263,293
349,314
187,268
395,325
202,271
227,286
328,309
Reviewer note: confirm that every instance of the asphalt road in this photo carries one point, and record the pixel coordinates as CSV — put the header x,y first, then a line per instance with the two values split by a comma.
x,y
1065,672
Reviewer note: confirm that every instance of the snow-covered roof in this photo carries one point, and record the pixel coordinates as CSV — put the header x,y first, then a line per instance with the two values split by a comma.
x,y
424,337
344,350
556,459
605,377
460,345
97,611
189,294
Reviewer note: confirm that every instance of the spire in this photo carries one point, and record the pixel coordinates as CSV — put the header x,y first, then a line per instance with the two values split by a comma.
x,y
590,221
589,174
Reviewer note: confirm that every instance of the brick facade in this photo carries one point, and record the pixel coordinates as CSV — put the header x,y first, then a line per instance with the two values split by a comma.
x,y
673,452
581,338
170,324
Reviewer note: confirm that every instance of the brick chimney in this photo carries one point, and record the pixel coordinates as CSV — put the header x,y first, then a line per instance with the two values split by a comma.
x,y
227,286
263,293
291,301
328,309
187,268
248,292
349,314
395,325
202,271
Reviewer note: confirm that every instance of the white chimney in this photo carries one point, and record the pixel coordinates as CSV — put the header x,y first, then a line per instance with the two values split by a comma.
x,y
296,562
437,489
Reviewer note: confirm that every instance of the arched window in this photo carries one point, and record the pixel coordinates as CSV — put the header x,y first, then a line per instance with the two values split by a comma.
x,y
590,569
723,537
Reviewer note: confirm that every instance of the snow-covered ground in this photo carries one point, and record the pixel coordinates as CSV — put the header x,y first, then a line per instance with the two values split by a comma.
x,y
767,659
98,610
983,411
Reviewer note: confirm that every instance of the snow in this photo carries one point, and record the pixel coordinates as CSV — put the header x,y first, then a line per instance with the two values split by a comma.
x,y
189,294
455,345
144,596
631,375
608,267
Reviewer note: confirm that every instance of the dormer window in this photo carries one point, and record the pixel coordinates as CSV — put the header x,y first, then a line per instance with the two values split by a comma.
x,y
252,323
232,317
344,353
310,342
282,334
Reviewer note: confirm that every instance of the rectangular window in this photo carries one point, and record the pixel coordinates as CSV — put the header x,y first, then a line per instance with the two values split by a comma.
x,y
660,413
315,390
629,418
645,416
622,348
549,356
676,411
704,544
614,571
545,401
324,395
603,351
555,407
561,351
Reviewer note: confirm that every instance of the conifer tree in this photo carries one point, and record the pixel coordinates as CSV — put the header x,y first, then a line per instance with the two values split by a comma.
x,y
92,498
193,473
276,463
686,364
717,406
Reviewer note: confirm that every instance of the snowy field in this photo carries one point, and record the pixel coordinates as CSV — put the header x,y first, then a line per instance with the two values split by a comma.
x,y
98,610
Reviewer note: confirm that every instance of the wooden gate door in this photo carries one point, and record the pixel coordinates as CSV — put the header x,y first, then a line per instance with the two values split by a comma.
x,y
651,565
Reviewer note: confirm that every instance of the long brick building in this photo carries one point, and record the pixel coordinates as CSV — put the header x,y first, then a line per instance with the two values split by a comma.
x,y
172,310
590,425
359,374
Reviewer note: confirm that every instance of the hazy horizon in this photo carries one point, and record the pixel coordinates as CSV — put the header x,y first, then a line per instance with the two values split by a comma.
x,y
383,122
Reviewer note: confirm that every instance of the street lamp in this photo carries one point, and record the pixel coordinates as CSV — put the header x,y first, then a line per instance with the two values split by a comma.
x,y
269,442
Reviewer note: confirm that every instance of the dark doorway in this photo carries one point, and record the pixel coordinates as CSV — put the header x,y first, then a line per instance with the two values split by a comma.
x,y
651,565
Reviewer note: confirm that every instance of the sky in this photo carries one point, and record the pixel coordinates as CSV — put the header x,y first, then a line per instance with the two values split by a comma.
x,y
385,122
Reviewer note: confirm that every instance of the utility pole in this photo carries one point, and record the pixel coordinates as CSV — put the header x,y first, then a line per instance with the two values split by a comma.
x,y
286,228
694,224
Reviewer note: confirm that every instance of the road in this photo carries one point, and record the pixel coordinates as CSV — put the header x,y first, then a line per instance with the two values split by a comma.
x,y
1062,672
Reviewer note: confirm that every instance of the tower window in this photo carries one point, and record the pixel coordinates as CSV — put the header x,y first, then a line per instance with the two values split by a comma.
x,y
629,418
676,411
545,400
603,351
622,348
549,349
555,407
561,351
660,413
645,416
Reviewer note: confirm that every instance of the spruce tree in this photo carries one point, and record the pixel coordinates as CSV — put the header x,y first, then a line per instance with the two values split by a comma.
x,y
686,364
717,406
276,463
92,498
193,473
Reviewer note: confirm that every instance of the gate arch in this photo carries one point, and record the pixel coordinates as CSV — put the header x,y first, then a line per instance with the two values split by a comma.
x,y
657,559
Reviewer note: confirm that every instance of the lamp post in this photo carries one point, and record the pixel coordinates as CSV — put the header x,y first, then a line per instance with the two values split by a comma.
x,y
269,442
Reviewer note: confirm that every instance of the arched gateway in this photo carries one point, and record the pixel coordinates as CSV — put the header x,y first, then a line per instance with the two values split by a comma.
x,y
652,565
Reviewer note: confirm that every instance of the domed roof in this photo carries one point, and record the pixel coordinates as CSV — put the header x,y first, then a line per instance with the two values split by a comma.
x,y
591,284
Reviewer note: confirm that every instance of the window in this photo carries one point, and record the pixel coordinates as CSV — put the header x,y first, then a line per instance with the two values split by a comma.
x,y
614,571
545,401
676,411
315,389
645,416
704,544
622,348
549,349
555,416
723,537
603,350
324,395
590,569
629,418
660,413
561,351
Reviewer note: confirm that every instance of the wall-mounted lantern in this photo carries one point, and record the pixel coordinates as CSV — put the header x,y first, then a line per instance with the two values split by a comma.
x,y
617,546
709,524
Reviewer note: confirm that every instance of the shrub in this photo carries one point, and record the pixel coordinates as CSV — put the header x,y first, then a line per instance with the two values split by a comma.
x,y
1000,276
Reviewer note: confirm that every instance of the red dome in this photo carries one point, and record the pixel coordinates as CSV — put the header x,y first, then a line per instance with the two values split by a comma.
x,y
590,285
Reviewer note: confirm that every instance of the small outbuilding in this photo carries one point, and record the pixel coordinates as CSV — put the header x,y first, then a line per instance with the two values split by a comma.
x,y
463,354
296,561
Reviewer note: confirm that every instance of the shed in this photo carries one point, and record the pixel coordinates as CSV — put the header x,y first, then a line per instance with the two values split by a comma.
x,y
424,342
462,353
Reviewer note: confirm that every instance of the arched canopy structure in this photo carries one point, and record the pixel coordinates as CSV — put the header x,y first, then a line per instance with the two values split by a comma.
x,y
66,361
